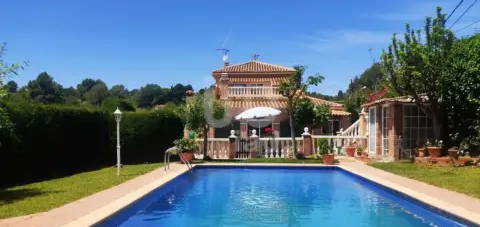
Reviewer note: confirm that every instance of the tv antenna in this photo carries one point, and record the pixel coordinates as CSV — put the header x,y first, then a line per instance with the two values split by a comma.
x,y
255,57
225,55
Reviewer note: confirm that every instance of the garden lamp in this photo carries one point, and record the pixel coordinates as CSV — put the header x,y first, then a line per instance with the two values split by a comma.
x,y
118,118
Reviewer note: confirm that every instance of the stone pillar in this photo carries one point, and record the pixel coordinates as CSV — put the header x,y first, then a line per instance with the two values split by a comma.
x,y
253,144
243,130
307,143
362,125
211,132
276,129
232,148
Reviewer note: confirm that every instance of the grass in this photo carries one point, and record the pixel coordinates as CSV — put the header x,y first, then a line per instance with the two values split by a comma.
x,y
461,179
45,195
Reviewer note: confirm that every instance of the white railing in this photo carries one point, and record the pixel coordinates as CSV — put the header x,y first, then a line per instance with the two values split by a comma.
x,y
218,148
352,130
338,143
280,147
253,91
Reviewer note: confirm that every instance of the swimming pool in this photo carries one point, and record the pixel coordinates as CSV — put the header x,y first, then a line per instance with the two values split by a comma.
x,y
276,196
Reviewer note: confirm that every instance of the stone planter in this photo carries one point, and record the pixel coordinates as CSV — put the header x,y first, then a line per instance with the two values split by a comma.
x,y
187,156
434,151
453,153
421,152
328,159
350,151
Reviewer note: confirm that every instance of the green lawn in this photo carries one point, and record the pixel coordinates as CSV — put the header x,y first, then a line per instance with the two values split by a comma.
x,y
461,179
45,195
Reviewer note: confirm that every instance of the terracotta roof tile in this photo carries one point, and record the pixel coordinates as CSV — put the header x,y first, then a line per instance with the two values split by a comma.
x,y
274,103
254,67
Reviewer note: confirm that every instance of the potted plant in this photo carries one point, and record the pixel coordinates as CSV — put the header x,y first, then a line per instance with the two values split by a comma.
x,y
326,151
351,150
186,148
359,150
453,152
421,152
435,148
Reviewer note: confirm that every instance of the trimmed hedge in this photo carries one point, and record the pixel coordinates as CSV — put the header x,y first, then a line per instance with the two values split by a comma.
x,y
52,141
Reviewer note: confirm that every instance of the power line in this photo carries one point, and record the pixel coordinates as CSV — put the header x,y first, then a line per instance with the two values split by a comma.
x,y
463,14
453,11
478,21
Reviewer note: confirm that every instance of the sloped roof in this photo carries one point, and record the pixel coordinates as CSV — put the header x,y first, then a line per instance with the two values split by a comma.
x,y
336,108
254,67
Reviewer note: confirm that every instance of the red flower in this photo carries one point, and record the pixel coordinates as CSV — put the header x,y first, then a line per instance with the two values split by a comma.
x,y
268,130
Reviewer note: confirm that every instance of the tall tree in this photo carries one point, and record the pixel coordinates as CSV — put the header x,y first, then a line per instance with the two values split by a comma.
x,y
11,86
97,94
151,95
177,93
44,89
293,88
119,91
418,68
462,98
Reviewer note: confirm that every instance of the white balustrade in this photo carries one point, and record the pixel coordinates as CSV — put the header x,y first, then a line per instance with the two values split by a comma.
x,y
218,148
339,142
279,147
352,130
253,91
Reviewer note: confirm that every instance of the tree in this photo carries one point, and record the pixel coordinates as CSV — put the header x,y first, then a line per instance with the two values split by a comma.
x,y
202,112
293,88
119,91
417,68
151,95
44,89
85,86
97,94
461,99
11,86
5,71
308,114
177,93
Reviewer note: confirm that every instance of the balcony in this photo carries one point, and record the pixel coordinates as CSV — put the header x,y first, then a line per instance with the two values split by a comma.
x,y
246,92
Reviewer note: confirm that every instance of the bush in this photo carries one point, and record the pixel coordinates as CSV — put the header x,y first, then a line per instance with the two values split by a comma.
x,y
52,141
323,147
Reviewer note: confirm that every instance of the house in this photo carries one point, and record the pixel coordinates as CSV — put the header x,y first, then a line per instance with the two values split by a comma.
x,y
395,127
255,84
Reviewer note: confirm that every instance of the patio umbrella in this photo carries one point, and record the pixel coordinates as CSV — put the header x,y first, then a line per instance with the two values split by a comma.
x,y
259,114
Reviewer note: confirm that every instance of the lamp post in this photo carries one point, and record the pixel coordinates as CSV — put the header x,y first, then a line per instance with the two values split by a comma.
x,y
118,117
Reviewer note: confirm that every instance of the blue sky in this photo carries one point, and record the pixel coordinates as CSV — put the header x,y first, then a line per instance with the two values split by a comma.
x,y
149,41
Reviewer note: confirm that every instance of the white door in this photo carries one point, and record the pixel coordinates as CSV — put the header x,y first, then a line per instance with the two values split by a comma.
x,y
372,134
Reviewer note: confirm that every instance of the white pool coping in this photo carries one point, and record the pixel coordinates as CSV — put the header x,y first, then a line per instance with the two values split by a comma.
x,y
94,208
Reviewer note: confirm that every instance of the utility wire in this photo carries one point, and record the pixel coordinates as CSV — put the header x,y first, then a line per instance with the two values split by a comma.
x,y
475,22
453,11
463,14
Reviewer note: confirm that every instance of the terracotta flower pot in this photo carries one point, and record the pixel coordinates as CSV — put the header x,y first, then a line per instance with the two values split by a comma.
x,y
350,151
328,159
434,151
187,156
453,153
420,152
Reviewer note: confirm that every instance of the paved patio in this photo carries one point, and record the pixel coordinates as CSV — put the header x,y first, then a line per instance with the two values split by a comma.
x,y
89,210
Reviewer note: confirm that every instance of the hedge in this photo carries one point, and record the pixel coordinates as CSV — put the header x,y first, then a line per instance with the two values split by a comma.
x,y
50,141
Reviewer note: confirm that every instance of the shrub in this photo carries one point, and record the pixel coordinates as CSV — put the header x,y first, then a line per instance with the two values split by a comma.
x,y
323,147
52,141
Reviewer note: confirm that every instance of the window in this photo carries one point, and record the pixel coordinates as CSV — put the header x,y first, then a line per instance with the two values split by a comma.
x,y
417,128
386,125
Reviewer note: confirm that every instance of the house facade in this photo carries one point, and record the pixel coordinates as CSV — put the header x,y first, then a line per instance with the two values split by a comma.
x,y
395,127
256,84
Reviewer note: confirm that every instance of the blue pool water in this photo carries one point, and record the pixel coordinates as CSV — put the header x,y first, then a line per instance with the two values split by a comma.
x,y
276,196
